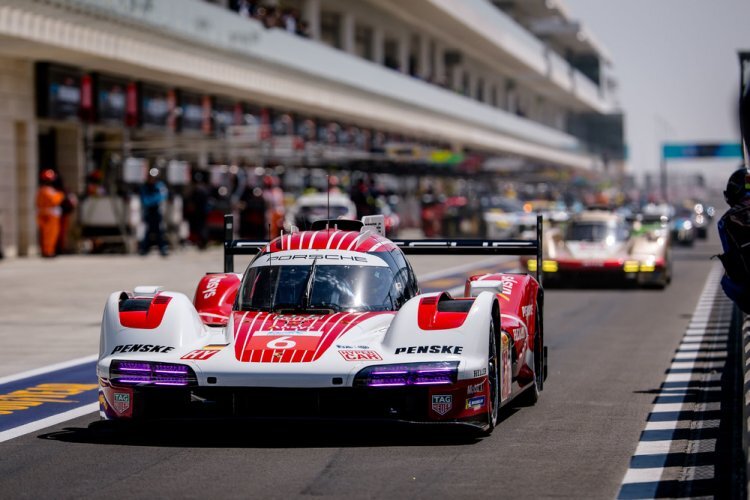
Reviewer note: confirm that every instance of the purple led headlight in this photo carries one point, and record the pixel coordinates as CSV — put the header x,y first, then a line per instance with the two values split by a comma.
x,y
148,373
408,374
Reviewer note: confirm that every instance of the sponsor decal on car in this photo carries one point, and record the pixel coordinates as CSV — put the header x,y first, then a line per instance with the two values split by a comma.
x,y
430,349
480,373
205,353
121,402
475,389
442,403
359,355
505,368
288,339
142,348
362,347
519,333
527,311
475,403
297,333
329,256
211,286
507,284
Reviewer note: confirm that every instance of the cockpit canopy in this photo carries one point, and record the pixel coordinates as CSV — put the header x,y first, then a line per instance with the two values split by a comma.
x,y
318,281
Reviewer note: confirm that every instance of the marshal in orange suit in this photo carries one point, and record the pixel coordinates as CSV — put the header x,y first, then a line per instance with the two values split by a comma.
x,y
49,212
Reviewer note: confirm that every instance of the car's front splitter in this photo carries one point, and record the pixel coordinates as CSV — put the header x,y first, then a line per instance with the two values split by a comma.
x,y
464,402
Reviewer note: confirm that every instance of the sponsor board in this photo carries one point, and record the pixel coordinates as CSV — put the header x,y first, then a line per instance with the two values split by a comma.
x,y
430,349
359,355
442,403
121,402
475,403
142,348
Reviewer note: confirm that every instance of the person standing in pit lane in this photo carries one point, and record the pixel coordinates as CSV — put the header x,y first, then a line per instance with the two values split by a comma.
x,y
49,212
733,228
153,196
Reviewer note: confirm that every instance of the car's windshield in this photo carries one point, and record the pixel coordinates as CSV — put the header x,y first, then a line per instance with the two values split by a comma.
x,y
315,212
608,232
315,287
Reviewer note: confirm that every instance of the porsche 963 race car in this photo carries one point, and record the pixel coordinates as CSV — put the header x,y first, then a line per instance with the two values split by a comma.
x,y
327,323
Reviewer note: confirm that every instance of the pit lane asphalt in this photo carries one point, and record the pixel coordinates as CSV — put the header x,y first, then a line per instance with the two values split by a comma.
x,y
609,350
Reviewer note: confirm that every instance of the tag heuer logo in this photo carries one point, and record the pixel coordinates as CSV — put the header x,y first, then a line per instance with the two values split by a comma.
x,y
442,403
122,402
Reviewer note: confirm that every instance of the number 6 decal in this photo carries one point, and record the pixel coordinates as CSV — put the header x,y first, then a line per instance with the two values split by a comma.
x,y
281,343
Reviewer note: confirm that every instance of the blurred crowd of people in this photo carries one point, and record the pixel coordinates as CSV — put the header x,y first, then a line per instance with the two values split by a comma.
x,y
167,215
271,15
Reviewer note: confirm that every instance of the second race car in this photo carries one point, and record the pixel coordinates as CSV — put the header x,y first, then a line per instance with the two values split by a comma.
x,y
601,247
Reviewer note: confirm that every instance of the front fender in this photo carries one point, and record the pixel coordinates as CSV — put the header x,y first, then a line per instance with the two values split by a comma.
x,y
406,341
180,326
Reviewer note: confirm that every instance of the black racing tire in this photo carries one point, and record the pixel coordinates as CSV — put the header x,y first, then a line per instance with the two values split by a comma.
x,y
493,380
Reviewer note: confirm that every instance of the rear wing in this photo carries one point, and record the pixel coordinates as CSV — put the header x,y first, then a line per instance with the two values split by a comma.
x,y
479,247
234,247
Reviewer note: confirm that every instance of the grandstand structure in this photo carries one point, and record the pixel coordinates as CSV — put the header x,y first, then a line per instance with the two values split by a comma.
x,y
387,82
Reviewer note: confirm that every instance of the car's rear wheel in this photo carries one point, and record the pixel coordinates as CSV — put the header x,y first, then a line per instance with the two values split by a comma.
x,y
493,380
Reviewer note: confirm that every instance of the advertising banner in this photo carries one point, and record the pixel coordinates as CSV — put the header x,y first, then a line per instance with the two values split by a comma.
x,y
58,91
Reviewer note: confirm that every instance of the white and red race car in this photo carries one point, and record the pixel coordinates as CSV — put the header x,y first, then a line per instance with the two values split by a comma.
x,y
327,323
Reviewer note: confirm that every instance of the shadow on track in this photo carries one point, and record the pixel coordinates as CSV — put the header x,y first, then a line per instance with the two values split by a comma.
x,y
279,433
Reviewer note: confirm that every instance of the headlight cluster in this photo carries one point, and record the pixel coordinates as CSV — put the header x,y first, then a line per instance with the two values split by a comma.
x,y
150,373
433,373
633,266
548,266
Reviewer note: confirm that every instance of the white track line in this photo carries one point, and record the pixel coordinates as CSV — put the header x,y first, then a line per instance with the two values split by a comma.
x,y
48,422
48,369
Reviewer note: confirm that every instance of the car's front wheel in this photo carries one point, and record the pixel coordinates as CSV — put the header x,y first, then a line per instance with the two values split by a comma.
x,y
493,380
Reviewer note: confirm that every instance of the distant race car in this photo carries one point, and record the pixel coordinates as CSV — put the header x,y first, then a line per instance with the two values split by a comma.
x,y
505,217
327,323
600,247
682,228
313,207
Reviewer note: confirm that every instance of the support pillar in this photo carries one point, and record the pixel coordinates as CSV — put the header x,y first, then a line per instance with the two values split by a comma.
x,y
424,64
311,15
378,45
438,65
348,33
403,53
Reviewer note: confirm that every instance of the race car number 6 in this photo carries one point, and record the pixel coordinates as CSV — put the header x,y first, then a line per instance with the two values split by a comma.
x,y
281,343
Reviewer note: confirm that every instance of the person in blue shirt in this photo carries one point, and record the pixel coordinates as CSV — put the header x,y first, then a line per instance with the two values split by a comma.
x,y
153,195
737,195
